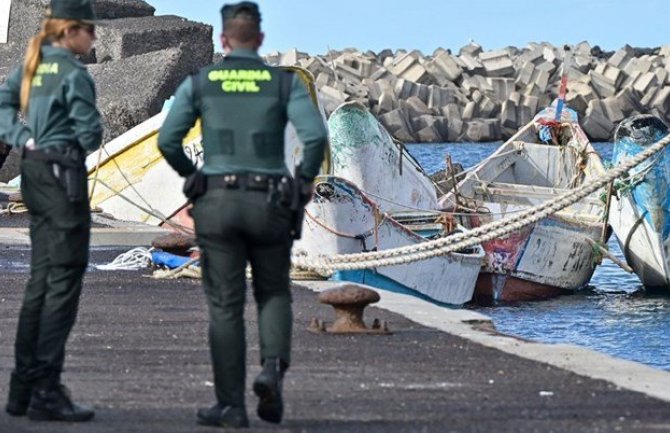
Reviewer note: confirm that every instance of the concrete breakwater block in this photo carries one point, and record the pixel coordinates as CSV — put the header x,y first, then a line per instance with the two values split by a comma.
x,y
507,87
133,89
145,58
24,22
127,37
113,9
26,16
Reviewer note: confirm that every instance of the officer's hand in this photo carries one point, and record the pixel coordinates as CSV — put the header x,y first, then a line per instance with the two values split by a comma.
x,y
195,185
310,192
306,192
4,152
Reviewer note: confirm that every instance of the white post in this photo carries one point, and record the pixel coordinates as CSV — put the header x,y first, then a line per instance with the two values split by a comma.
x,y
5,7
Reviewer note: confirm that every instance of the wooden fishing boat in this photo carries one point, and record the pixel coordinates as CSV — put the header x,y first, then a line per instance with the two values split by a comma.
x,y
364,153
555,255
640,210
343,219
379,198
130,179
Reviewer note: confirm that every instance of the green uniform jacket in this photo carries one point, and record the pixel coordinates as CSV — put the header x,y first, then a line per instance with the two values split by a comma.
x,y
301,112
62,107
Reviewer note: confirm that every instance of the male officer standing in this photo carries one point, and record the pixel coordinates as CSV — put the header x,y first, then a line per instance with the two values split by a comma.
x,y
241,209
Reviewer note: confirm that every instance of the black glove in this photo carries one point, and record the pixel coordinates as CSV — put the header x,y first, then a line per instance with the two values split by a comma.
x,y
195,185
4,152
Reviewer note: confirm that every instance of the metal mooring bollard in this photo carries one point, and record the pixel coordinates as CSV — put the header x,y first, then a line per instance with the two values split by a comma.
x,y
349,301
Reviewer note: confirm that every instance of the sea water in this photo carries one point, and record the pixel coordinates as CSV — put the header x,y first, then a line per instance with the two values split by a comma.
x,y
613,314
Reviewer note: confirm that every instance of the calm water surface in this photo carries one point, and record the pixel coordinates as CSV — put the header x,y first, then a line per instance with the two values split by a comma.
x,y
613,315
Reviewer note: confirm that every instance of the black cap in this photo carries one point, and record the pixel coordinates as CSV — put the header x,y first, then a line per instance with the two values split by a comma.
x,y
80,10
230,11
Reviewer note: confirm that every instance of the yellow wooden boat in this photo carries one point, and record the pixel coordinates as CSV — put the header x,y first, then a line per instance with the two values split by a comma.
x,y
130,180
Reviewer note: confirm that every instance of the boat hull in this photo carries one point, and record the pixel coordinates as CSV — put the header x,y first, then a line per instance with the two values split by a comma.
x,y
543,260
493,288
640,209
644,248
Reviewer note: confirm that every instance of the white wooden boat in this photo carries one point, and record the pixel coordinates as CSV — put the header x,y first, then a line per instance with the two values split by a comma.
x,y
342,219
550,257
131,180
640,210
364,153
379,198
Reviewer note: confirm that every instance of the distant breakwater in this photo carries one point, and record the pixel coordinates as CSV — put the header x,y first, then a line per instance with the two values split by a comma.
x,y
479,95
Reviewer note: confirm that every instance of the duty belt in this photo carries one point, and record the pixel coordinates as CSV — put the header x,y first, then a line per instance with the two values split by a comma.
x,y
250,181
54,154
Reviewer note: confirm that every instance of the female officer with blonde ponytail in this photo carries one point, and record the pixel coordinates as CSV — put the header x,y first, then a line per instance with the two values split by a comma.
x,y
56,96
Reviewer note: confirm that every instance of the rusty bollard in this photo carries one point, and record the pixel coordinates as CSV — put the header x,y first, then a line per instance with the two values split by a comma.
x,y
349,301
174,243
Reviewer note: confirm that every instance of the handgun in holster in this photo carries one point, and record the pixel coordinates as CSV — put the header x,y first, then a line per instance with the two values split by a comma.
x,y
70,170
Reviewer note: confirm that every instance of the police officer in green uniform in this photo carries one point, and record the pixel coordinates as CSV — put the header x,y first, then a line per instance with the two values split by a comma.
x,y
241,205
56,95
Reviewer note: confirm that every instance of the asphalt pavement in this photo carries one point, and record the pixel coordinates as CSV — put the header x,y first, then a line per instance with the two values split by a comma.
x,y
139,355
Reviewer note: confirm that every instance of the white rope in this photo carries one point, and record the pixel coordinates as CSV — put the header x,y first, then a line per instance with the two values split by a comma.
x,y
188,269
13,208
132,260
493,230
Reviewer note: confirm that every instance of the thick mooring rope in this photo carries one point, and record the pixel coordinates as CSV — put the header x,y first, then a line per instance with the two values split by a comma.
x,y
425,250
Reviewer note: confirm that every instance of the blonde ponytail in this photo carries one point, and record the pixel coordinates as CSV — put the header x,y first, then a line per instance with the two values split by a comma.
x,y
52,29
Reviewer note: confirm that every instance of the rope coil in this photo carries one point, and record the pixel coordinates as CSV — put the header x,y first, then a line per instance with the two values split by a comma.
x,y
132,260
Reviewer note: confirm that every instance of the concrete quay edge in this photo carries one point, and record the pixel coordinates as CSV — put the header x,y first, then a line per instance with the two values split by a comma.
x,y
480,329
129,236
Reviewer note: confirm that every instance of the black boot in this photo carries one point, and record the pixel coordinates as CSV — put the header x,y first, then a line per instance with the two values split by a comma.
x,y
54,404
223,416
19,397
268,387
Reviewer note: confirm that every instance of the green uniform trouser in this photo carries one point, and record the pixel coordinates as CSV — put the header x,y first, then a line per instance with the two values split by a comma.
x,y
233,227
59,235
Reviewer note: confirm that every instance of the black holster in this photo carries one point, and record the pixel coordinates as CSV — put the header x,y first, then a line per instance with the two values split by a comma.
x,y
69,168
195,185
301,193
